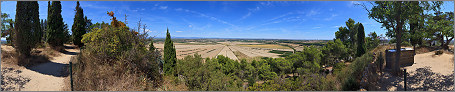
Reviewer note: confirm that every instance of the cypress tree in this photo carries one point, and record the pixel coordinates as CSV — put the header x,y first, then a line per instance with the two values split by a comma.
x,y
169,55
55,28
151,46
360,40
27,27
79,26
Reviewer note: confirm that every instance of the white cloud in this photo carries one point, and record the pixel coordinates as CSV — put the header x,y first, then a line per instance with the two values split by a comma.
x,y
163,7
179,31
190,25
312,12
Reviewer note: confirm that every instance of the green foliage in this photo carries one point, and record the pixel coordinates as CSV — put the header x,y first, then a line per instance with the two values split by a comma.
x,y
7,28
55,28
393,15
113,55
308,60
79,26
372,41
350,76
349,36
219,73
334,51
170,56
360,40
441,26
27,28
151,46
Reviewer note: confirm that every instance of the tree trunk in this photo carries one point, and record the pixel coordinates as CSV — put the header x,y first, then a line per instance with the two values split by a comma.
x,y
398,29
441,40
446,45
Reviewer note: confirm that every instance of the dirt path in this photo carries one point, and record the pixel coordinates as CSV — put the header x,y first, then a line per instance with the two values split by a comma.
x,y
47,76
428,73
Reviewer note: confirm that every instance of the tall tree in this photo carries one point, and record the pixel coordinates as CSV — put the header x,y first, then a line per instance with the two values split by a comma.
x,y
441,25
79,26
352,27
393,15
169,54
360,40
55,28
27,27
348,35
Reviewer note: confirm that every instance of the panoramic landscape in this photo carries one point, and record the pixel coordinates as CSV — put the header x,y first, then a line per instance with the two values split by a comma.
x,y
227,46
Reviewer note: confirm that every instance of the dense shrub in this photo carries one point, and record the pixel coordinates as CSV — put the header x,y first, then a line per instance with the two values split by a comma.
x,y
215,74
350,76
115,58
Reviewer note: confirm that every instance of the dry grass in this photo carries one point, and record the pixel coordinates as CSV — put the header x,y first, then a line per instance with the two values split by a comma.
x,y
271,46
170,84
36,57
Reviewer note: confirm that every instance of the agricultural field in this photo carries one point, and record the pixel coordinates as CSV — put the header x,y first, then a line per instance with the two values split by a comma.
x,y
233,49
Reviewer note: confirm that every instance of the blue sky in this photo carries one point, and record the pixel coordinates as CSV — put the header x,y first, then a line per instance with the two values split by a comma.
x,y
226,19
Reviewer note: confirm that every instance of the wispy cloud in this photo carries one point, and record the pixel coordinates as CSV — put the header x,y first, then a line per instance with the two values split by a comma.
x,y
331,17
312,12
163,7
178,31
316,27
275,18
206,16
352,3
250,11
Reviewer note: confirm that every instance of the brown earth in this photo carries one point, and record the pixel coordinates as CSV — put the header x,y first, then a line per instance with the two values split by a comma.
x,y
48,76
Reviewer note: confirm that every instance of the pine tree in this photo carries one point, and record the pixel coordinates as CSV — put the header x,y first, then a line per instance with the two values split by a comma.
x,y
79,26
360,40
55,28
27,27
169,55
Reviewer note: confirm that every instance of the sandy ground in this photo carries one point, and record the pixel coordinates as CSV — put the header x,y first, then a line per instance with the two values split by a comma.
x,y
43,77
428,73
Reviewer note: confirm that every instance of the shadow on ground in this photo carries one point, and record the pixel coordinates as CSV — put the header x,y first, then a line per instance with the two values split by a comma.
x,y
423,79
11,82
51,68
69,53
